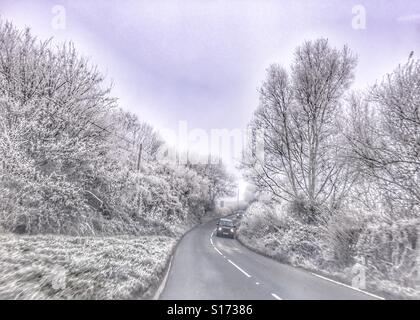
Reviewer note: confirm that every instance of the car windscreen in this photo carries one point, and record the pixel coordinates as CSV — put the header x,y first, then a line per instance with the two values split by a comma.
x,y
226,223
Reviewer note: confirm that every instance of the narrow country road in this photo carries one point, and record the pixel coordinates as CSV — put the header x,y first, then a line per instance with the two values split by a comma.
x,y
208,267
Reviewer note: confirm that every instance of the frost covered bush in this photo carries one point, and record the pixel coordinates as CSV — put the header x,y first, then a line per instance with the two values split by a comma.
x,y
254,222
30,201
390,251
341,235
279,235
49,99
172,196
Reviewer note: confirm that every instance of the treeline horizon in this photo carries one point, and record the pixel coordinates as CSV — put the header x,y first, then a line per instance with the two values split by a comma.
x,y
70,159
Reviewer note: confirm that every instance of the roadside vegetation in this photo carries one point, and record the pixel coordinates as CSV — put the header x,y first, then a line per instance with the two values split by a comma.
x,y
338,181
75,164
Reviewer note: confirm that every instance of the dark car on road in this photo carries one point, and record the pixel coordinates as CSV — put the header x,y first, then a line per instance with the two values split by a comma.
x,y
226,227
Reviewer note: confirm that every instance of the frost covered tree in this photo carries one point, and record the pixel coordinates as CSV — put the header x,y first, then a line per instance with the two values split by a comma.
x,y
298,115
220,182
69,153
385,138
57,100
134,133
383,133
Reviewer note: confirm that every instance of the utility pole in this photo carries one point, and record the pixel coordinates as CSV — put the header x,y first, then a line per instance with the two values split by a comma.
x,y
139,156
238,197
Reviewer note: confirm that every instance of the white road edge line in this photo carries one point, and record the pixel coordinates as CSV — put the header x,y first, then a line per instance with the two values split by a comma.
x,y
350,287
162,286
237,267
276,296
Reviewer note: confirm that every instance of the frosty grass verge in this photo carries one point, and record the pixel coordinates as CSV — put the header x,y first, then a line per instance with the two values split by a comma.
x,y
64,267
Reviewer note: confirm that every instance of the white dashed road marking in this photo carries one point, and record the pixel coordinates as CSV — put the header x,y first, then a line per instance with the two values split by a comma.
x,y
275,295
236,266
239,268
218,251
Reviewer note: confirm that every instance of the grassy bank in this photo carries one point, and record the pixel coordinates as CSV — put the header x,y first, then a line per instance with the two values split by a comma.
x,y
62,267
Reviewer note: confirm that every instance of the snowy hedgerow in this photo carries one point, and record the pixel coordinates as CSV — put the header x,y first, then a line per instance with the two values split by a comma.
x,y
281,236
390,251
70,156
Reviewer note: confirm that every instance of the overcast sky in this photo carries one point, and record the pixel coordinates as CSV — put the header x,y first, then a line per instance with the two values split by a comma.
x,y
202,61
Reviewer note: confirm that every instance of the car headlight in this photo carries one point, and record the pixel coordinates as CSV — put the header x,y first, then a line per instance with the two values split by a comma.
x,y
220,229
231,230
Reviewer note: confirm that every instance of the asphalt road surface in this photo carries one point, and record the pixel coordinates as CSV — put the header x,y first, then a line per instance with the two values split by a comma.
x,y
209,268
